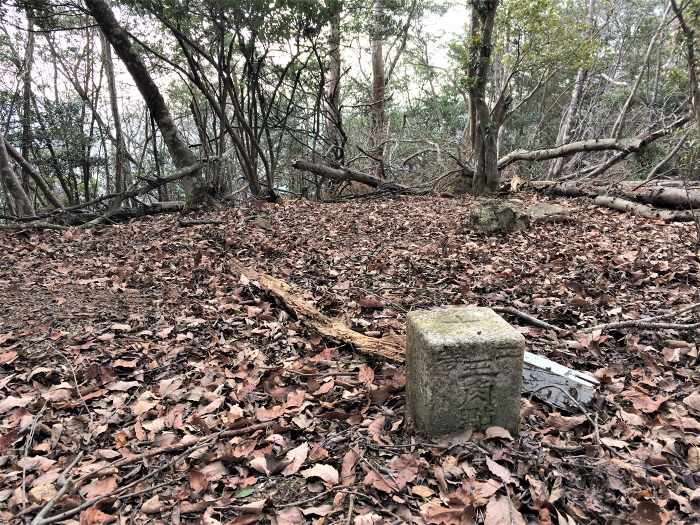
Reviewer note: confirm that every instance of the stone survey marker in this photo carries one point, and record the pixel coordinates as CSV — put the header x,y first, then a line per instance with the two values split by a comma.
x,y
465,370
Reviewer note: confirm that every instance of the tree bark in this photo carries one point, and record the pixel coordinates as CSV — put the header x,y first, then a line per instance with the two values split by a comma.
x,y
333,117
347,175
22,204
378,103
643,210
117,37
625,146
27,98
486,178
121,163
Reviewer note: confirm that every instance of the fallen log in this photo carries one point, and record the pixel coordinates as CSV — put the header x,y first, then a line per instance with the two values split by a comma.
x,y
678,198
670,197
344,174
554,383
616,203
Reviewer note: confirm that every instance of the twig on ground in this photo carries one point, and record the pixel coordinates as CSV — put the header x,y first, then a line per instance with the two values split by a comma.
x,y
27,447
127,461
351,508
120,490
594,424
197,222
529,318
651,322
77,386
63,481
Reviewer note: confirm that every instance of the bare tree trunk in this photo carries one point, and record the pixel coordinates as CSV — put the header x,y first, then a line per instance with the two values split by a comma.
x,y
377,108
27,97
569,116
121,163
22,204
484,131
117,37
333,116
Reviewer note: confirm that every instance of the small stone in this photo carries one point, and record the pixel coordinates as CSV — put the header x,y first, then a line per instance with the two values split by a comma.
x,y
464,367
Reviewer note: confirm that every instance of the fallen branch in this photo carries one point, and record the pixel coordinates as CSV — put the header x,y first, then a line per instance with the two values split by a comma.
x,y
529,318
389,347
38,225
671,197
656,322
197,222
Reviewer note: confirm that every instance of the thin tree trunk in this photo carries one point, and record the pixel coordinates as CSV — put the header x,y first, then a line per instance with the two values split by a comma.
x,y
22,204
692,62
117,37
377,108
121,164
33,173
27,97
332,102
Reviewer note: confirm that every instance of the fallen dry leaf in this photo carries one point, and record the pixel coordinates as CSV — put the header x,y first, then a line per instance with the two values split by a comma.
x,y
326,472
499,470
152,505
295,459
99,487
94,516
500,511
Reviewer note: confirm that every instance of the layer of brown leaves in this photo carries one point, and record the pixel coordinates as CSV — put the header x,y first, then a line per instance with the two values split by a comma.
x,y
118,341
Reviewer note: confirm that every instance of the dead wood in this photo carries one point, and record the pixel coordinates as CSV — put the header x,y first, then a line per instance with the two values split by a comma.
x,y
38,225
389,347
643,210
197,222
344,174
632,198
657,321
529,318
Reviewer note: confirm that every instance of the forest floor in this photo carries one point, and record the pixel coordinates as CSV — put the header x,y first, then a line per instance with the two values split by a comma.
x,y
169,389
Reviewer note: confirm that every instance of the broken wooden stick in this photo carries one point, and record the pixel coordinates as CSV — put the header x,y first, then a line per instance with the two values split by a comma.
x,y
389,347
538,372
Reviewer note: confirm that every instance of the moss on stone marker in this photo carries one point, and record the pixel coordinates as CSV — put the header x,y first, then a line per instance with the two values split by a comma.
x,y
464,370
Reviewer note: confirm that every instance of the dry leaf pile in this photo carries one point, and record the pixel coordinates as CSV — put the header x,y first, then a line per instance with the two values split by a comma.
x,y
143,381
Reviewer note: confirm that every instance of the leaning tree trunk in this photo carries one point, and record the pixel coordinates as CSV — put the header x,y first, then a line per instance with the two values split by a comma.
x,y
377,108
115,34
486,178
22,204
